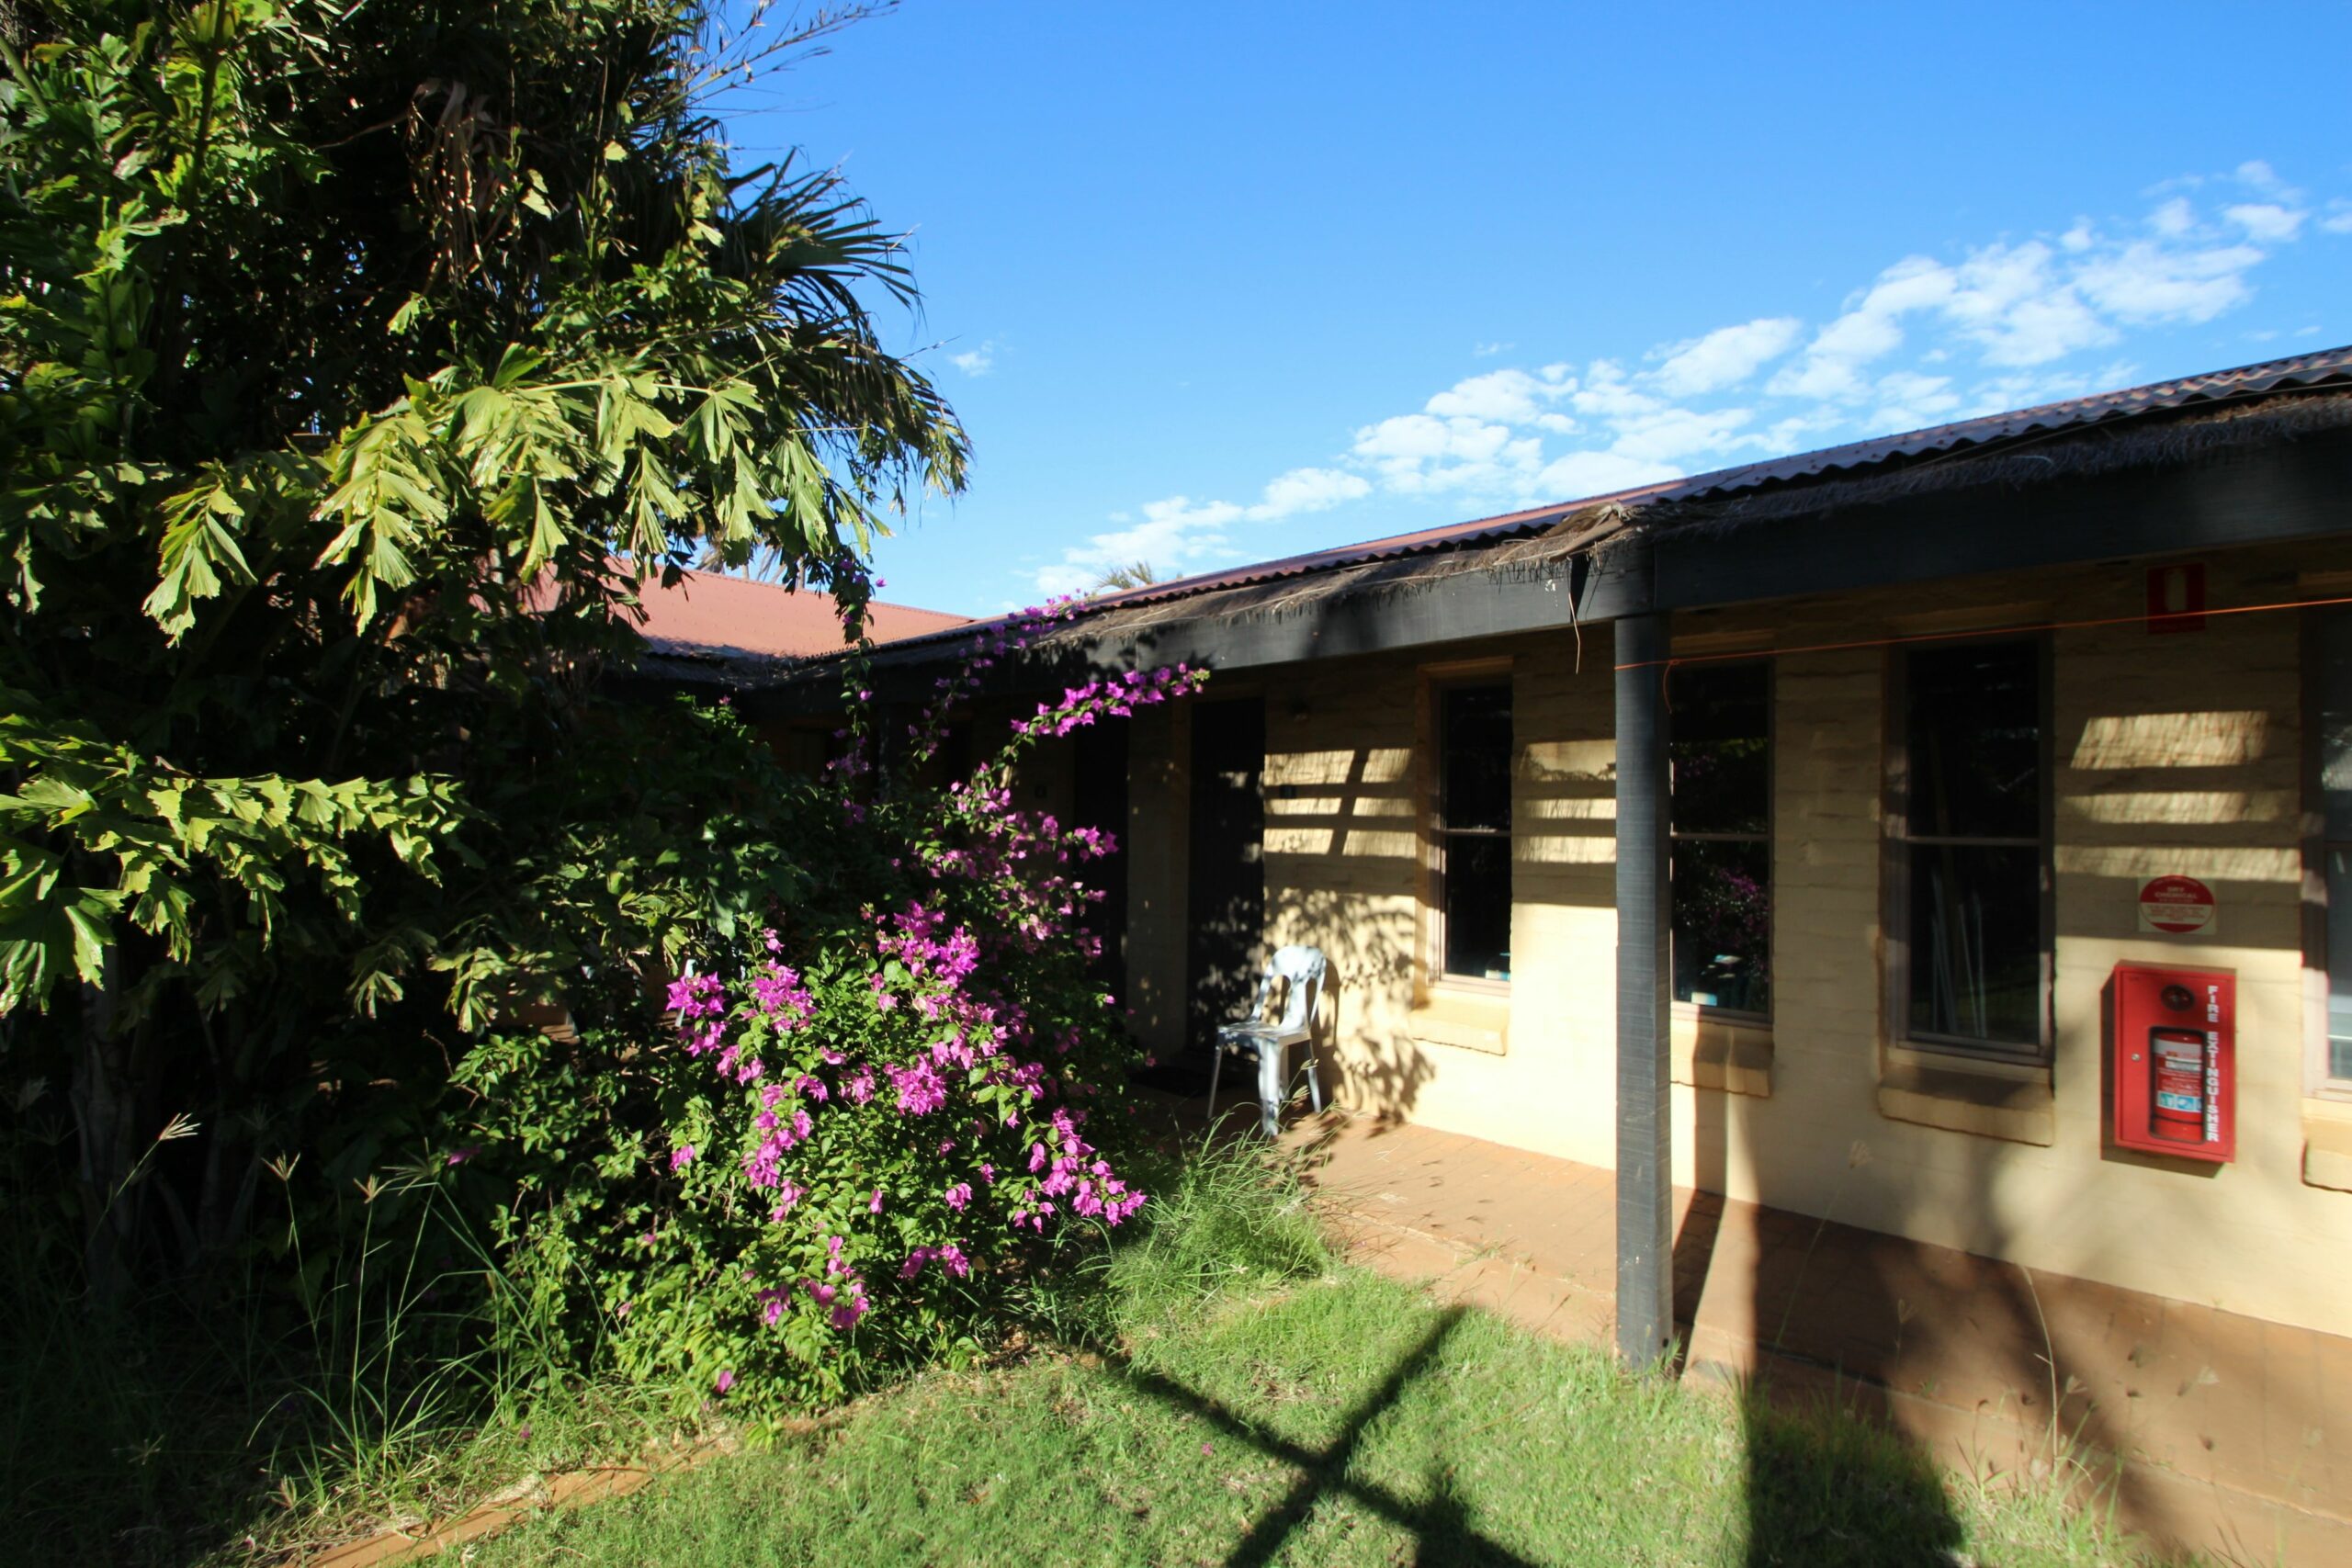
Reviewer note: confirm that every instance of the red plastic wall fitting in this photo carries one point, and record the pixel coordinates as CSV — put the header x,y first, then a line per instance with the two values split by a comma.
x,y
2172,1039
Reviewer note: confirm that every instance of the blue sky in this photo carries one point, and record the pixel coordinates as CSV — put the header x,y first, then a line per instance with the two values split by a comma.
x,y
1213,283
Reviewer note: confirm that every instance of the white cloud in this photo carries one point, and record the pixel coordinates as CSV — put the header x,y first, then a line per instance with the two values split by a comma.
x,y
1510,395
1869,330
1911,401
2028,389
1726,357
2002,325
1606,394
2266,221
976,362
2148,283
1419,454
2254,172
1670,434
1180,534
1582,474
1309,489
1175,535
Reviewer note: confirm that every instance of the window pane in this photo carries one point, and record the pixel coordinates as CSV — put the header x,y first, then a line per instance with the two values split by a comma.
x,y
1474,730
1975,734
1722,763
1723,922
2336,723
1977,942
2339,962
1477,906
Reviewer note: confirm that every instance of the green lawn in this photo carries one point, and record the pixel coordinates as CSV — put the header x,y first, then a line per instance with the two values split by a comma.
x,y
1335,1419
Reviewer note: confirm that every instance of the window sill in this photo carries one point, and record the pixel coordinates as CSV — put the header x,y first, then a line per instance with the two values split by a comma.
x,y
1731,1054
2018,1110
2327,1144
1466,1020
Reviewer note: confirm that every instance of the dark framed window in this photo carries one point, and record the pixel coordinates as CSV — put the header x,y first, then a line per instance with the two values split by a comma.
x,y
1721,827
1973,855
2334,661
1473,749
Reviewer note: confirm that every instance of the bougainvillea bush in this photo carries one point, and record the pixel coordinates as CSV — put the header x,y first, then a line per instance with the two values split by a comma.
x,y
834,1139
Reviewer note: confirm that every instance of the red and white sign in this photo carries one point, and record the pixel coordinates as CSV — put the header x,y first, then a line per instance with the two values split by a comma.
x,y
2178,906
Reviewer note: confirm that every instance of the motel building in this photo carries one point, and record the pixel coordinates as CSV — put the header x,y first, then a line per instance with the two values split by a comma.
x,y
1948,836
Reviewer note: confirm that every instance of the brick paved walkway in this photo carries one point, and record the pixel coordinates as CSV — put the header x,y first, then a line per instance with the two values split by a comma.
x,y
2235,1433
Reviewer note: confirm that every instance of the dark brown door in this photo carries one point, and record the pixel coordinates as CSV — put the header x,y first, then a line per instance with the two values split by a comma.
x,y
1101,802
1225,914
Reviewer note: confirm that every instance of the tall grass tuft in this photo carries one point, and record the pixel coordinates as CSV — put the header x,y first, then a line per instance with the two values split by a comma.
x,y
1222,1219
215,1420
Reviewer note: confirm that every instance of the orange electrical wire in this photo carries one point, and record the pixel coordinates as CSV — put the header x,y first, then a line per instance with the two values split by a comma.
x,y
1672,660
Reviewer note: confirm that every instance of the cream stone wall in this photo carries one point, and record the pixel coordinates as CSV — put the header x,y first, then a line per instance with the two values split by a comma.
x,y
2172,753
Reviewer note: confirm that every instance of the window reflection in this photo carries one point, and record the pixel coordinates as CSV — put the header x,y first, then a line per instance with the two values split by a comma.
x,y
1474,830
1973,811
1722,812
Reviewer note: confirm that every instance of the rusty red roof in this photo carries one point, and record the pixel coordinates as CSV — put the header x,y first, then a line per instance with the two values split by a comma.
x,y
710,613
2321,367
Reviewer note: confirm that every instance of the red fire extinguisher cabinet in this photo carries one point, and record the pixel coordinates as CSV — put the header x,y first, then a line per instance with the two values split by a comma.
x,y
2172,1044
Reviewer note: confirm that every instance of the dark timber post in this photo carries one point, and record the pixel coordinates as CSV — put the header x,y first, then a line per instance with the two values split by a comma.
x,y
1645,1189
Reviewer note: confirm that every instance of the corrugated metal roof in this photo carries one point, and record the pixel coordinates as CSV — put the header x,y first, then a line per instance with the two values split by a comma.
x,y
2325,366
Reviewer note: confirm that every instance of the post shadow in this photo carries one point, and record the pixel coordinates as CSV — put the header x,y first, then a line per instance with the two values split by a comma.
x,y
1439,1525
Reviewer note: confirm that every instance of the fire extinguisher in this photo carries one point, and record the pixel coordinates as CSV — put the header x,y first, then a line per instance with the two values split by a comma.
x,y
2177,1084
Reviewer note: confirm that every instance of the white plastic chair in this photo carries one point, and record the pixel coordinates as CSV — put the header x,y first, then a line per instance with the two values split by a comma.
x,y
1301,968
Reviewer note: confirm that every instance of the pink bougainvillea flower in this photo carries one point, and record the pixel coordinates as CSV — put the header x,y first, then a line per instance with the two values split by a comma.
x,y
920,1088
874,1204
681,1157
725,1380
958,1196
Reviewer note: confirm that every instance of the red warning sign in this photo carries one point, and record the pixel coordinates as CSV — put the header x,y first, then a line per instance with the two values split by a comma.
x,y
2178,906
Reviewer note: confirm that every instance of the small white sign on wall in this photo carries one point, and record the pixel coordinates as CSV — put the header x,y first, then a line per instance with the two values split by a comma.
x,y
2178,906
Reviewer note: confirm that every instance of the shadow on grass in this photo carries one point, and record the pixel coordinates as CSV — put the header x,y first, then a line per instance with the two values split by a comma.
x,y
1823,1485
1441,1526
1826,1485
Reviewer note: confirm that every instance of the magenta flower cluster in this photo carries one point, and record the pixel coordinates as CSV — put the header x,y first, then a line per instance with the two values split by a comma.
x,y
887,1107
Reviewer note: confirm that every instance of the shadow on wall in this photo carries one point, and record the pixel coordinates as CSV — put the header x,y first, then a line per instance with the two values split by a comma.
x,y
1565,838
1368,1062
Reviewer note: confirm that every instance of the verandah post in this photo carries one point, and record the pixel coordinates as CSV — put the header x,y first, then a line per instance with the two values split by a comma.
x,y
1645,1182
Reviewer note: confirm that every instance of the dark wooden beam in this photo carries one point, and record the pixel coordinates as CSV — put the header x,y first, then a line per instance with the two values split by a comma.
x,y
2289,491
